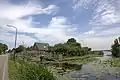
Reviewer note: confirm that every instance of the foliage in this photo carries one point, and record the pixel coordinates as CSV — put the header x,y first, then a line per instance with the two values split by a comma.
x,y
81,60
9,51
22,70
1,51
3,47
114,62
70,48
71,40
20,48
116,50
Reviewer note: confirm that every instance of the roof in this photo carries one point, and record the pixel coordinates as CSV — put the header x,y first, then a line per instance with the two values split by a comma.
x,y
41,46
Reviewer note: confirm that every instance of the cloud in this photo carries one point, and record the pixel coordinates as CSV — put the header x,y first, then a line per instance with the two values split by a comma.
x,y
90,32
9,39
13,12
99,43
106,13
111,31
59,29
99,39
101,33
77,4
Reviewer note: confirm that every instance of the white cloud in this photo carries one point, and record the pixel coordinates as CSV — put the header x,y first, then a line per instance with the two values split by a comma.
x,y
107,32
58,29
99,39
9,39
99,43
13,12
111,31
90,32
77,4
106,13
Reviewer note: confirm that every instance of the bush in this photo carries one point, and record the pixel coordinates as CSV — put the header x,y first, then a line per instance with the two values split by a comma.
x,y
0,51
21,70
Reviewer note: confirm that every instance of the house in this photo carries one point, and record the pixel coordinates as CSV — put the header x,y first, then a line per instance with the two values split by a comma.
x,y
40,48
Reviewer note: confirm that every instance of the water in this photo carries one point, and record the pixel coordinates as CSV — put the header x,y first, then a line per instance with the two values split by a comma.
x,y
91,71
96,71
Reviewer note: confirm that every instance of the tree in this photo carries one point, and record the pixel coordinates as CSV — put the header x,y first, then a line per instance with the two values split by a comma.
x,y
116,50
1,51
9,51
70,48
60,48
71,40
20,48
3,47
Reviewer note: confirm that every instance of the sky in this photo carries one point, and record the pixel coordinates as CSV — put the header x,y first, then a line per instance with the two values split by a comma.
x,y
93,23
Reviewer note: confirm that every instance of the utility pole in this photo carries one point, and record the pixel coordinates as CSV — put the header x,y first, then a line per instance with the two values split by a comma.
x,y
15,39
23,50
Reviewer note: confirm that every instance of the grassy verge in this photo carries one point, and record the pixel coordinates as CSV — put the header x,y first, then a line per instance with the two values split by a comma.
x,y
81,57
22,70
115,62
81,60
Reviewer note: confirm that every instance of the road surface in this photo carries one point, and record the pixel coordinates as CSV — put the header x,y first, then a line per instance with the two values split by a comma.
x,y
3,67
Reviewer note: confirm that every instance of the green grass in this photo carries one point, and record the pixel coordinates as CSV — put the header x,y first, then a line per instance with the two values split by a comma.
x,y
22,70
81,60
115,62
81,57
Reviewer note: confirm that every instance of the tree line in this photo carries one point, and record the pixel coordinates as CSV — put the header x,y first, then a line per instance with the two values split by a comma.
x,y
70,48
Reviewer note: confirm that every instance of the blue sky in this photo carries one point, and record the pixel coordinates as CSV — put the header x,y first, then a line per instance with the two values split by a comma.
x,y
93,23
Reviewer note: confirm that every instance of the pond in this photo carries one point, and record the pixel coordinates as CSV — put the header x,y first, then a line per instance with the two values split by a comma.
x,y
94,70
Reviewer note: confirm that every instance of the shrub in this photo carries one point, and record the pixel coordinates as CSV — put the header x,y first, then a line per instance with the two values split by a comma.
x,y
22,70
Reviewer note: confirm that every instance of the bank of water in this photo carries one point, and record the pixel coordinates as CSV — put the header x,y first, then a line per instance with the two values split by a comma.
x,y
94,70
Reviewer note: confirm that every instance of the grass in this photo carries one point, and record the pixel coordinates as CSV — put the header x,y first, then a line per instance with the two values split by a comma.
x,y
81,57
23,70
115,62
81,60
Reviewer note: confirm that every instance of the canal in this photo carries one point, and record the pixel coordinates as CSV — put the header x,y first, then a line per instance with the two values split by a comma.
x,y
94,70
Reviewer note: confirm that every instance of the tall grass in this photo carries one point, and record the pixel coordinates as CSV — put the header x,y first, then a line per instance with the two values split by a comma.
x,y
22,70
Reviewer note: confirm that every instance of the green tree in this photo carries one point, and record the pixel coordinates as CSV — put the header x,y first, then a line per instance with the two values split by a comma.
x,y
70,48
71,40
3,47
116,49
60,48
20,48
1,51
